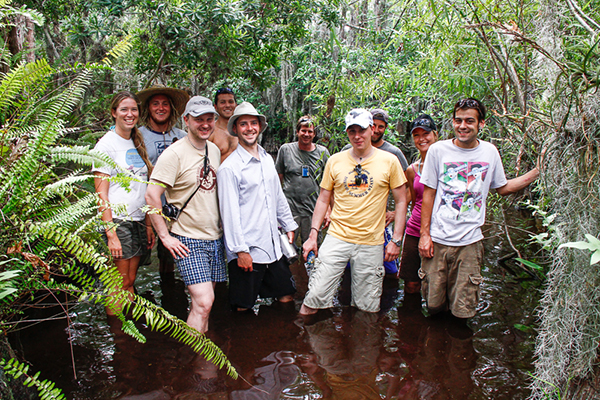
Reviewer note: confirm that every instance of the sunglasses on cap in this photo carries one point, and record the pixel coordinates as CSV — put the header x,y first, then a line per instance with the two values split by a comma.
x,y
359,179
468,103
224,91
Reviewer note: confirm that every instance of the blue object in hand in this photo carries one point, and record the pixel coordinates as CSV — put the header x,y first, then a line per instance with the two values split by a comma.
x,y
310,262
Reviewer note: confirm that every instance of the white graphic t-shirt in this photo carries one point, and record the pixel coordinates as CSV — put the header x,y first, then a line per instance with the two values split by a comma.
x,y
462,178
124,153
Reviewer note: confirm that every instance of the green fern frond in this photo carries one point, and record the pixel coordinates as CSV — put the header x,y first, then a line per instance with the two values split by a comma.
x,y
82,251
81,278
35,16
130,329
160,320
46,388
65,217
82,155
119,50
62,187
12,83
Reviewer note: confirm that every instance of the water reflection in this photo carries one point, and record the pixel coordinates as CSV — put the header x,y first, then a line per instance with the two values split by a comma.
x,y
399,353
344,362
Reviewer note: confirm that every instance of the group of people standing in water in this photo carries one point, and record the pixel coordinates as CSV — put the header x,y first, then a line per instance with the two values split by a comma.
x,y
221,208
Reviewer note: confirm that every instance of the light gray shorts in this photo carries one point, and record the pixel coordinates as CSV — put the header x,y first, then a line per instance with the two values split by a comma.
x,y
366,263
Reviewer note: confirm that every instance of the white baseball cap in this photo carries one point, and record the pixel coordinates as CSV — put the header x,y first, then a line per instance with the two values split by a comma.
x,y
360,117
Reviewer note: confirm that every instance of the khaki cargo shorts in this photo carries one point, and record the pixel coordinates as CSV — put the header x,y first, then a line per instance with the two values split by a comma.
x,y
451,279
366,264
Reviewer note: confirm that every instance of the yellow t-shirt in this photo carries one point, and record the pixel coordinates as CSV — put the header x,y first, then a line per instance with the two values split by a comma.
x,y
181,167
358,214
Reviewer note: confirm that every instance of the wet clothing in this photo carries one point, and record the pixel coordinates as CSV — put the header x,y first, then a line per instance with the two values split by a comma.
x,y
157,142
410,261
451,279
463,178
273,280
366,262
125,155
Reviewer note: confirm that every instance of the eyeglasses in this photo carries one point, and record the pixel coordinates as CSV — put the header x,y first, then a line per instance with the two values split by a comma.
x,y
358,179
305,121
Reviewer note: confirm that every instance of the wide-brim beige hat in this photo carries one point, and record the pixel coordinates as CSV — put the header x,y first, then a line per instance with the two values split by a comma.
x,y
178,96
246,109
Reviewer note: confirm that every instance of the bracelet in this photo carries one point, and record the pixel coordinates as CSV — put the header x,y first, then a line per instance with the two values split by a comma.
x,y
312,227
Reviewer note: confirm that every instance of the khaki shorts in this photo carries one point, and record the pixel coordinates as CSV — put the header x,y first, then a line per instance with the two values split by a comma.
x,y
451,279
366,262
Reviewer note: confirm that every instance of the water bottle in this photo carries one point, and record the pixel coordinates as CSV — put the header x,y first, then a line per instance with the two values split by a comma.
x,y
310,262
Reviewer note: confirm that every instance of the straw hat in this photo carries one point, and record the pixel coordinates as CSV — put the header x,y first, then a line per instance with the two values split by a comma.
x,y
179,97
246,109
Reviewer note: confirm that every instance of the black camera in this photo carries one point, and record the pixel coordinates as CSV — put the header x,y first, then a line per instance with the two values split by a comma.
x,y
171,211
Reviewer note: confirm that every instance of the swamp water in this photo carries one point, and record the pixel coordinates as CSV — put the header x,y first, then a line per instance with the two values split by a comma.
x,y
346,354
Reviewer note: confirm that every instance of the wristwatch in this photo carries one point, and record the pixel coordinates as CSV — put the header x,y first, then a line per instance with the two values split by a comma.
x,y
397,242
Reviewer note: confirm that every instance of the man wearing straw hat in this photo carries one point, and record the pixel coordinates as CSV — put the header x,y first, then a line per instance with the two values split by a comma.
x,y
161,108
252,206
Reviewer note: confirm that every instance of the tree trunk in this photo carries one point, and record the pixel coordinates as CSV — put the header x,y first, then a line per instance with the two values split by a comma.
x,y
30,39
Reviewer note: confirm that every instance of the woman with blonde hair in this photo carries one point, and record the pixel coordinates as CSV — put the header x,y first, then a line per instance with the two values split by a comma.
x,y
128,231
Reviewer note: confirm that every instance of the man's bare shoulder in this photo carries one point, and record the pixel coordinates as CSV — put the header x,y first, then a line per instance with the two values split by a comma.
x,y
224,141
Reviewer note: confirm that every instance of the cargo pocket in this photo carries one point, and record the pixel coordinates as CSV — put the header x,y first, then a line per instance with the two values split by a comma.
x,y
424,284
472,295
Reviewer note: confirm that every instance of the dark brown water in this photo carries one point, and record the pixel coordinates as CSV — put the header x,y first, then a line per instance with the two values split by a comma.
x,y
345,354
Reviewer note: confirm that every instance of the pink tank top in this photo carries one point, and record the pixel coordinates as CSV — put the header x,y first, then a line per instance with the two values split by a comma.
x,y
413,226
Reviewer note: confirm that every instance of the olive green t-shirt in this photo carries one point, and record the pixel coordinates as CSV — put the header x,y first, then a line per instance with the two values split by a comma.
x,y
302,172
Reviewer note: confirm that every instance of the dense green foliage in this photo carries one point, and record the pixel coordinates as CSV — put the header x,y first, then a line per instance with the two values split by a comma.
x,y
49,225
535,64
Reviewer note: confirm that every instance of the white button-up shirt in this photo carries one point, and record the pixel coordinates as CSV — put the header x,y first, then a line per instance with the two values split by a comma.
x,y
252,206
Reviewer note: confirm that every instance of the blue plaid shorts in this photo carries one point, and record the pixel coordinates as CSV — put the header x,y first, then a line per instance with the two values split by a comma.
x,y
204,263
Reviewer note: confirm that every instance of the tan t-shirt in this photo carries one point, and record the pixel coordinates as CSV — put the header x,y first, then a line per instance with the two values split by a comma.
x,y
180,167
358,214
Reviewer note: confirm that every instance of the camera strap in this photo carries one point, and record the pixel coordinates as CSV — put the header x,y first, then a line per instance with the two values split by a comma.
x,y
205,171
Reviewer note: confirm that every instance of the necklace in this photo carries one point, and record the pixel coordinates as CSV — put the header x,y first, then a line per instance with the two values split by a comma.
x,y
361,158
188,138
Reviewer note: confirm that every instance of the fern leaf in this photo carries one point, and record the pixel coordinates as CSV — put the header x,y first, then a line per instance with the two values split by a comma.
x,y
119,50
